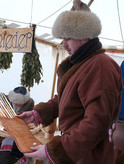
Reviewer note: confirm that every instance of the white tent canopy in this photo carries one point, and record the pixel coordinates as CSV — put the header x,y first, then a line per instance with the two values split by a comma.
x,y
17,14
43,14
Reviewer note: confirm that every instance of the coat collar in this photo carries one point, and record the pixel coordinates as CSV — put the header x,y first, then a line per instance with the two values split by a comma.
x,y
64,73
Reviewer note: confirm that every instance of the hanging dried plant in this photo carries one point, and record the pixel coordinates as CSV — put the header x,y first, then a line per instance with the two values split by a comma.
x,y
5,57
32,68
5,60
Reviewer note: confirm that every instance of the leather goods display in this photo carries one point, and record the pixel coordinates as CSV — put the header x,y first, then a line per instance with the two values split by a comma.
x,y
20,132
6,109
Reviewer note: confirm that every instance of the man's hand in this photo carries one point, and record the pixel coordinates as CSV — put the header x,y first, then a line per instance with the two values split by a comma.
x,y
111,133
27,117
39,153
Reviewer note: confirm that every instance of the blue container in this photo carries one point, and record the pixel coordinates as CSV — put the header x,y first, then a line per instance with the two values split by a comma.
x,y
121,114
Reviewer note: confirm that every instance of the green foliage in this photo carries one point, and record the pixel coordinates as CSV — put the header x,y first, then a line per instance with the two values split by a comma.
x,y
5,57
5,60
31,68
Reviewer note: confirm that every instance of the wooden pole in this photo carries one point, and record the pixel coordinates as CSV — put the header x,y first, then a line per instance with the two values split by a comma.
x,y
54,80
114,50
51,128
46,42
91,1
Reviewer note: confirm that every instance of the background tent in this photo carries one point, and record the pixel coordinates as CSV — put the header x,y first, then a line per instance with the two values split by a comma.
x,y
24,13
17,14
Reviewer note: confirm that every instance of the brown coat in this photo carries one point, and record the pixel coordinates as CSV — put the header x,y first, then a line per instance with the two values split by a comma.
x,y
89,96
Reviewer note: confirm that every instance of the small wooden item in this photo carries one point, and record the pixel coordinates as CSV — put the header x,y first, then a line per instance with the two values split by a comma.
x,y
20,132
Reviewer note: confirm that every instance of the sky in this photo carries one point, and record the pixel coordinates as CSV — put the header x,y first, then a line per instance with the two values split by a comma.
x,y
43,14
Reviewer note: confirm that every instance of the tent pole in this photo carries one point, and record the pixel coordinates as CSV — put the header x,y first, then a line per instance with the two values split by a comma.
x,y
91,1
51,128
54,80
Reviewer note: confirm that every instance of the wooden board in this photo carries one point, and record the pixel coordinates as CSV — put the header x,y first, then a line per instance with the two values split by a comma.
x,y
35,130
16,40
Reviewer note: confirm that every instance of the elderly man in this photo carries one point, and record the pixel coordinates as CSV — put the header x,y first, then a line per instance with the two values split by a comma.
x,y
89,94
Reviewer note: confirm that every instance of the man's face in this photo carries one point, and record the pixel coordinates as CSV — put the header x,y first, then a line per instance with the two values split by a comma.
x,y
71,45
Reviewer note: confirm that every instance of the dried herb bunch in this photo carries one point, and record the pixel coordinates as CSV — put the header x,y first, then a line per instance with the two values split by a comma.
x,y
31,68
5,57
5,60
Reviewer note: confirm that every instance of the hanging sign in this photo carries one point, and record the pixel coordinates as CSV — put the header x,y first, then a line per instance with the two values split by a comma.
x,y
16,40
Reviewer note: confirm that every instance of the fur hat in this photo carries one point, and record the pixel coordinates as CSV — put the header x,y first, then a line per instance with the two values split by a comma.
x,y
19,95
78,23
